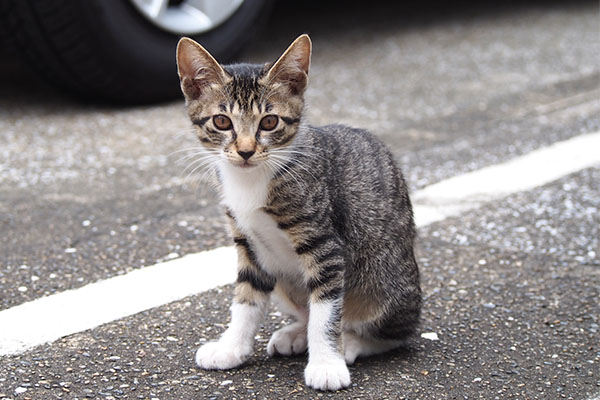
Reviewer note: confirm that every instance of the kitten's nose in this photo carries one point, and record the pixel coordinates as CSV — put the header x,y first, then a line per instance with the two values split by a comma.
x,y
246,154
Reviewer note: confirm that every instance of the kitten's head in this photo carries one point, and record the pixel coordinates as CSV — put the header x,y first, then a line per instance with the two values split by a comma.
x,y
244,112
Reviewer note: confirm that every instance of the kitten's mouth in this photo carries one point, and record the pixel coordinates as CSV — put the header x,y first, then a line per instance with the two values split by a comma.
x,y
245,164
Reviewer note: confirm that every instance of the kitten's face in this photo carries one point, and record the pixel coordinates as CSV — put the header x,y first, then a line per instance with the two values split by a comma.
x,y
244,112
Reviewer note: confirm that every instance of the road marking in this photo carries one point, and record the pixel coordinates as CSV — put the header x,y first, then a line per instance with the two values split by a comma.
x,y
49,318
461,193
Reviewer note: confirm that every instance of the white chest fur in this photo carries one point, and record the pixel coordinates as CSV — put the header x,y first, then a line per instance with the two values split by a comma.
x,y
245,194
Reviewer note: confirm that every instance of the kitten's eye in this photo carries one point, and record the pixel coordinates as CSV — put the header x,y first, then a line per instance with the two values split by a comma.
x,y
269,122
222,122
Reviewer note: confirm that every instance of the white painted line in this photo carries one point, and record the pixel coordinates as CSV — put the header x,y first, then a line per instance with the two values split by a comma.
x,y
49,318
456,195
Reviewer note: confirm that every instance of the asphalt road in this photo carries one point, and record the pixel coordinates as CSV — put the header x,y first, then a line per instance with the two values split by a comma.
x,y
511,289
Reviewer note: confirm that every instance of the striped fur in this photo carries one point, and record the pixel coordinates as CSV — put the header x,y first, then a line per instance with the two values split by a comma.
x,y
320,216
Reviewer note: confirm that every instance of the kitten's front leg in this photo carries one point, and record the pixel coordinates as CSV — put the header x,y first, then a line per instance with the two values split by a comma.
x,y
235,345
247,312
326,369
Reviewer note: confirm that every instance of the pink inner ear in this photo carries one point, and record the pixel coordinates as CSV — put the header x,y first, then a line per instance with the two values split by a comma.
x,y
292,67
197,68
301,55
185,58
292,76
189,88
193,87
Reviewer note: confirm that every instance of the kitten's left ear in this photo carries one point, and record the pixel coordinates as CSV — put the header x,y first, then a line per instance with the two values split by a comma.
x,y
197,68
292,67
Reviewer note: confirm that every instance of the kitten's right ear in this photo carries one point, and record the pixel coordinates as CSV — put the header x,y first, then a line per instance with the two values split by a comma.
x,y
197,68
291,68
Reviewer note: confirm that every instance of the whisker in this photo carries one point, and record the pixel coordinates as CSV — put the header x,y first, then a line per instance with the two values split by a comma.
x,y
292,151
196,164
287,169
182,150
191,169
207,173
182,133
201,148
295,161
192,155
206,176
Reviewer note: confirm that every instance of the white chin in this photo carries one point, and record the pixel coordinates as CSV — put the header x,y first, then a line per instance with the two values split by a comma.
x,y
245,165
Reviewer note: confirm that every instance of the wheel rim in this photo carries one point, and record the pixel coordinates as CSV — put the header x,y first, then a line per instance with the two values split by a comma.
x,y
187,17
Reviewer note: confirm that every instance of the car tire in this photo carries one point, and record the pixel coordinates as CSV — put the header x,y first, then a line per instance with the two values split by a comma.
x,y
106,51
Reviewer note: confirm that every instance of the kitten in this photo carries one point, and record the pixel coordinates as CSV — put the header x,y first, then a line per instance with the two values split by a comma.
x,y
320,217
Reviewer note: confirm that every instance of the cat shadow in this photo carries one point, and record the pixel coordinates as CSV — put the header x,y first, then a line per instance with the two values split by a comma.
x,y
405,353
287,372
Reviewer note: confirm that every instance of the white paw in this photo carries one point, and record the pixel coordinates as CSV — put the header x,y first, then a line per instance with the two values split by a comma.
x,y
288,340
219,355
327,374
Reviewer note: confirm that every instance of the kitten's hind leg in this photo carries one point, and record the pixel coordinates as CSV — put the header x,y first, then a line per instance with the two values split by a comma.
x,y
291,339
358,346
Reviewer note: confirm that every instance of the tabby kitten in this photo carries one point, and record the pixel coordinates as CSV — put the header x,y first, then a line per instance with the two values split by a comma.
x,y
320,217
